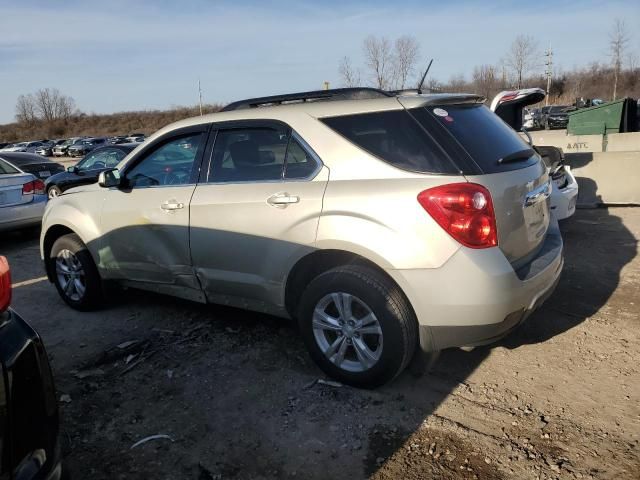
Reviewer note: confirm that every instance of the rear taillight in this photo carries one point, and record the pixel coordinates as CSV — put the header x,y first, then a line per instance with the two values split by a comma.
x,y
5,285
35,187
465,211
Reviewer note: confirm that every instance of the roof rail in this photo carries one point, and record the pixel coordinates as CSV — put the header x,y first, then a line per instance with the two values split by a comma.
x,y
334,94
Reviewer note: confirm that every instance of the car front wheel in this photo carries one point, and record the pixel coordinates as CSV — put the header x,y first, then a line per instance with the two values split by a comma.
x,y
54,192
358,326
75,274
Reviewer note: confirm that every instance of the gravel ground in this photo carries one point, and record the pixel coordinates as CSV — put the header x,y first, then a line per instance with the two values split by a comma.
x,y
236,396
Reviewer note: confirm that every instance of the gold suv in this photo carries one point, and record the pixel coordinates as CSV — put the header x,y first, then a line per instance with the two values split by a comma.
x,y
382,222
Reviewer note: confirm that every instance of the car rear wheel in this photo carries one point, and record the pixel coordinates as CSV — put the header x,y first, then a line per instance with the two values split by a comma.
x,y
358,326
54,192
75,274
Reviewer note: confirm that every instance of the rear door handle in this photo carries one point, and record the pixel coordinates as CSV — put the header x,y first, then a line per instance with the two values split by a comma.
x,y
172,205
282,199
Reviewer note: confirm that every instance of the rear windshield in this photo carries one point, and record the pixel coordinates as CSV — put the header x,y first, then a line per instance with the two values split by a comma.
x,y
396,138
481,133
6,169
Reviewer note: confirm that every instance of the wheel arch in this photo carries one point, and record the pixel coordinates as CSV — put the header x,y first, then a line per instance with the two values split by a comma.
x,y
317,262
53,233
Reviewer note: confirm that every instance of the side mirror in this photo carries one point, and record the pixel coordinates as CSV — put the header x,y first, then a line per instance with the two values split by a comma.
x,y
109,178
73,169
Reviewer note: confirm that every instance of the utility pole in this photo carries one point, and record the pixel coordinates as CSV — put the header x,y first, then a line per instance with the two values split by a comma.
x,y
200,96
549,71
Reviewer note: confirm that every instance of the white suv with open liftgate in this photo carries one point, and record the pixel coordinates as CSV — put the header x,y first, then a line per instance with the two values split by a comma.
x,y
382,222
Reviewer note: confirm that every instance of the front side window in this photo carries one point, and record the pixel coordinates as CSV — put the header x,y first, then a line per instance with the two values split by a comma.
x,y
169,164
248,154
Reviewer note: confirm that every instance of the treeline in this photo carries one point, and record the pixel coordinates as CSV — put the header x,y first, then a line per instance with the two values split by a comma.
x,y
594,81
78,123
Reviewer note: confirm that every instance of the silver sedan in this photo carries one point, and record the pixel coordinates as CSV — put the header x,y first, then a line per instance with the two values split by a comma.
x,y
22,198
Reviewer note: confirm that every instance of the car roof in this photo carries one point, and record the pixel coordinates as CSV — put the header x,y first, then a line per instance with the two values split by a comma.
x,y
325,108
24,158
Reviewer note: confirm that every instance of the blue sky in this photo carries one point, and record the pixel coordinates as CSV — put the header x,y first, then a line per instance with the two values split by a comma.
x,y
118,55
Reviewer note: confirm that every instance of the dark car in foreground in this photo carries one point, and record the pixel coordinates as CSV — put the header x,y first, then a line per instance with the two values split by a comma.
x,y
86,171
32,163
29,424
555,116
81,148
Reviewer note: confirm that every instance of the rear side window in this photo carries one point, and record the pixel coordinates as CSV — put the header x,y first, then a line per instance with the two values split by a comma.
x,y
396,138
480,132
6,169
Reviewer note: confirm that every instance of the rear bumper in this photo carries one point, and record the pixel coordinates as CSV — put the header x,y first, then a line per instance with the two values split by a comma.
x,y
563,200
477,297
20,216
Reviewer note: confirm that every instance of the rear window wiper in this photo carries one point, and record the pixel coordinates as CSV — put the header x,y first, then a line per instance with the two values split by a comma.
x,y
517,156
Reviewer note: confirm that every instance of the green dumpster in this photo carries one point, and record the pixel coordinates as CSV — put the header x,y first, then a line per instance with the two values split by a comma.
x,y
612,117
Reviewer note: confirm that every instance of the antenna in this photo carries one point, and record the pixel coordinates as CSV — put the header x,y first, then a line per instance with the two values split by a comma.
x,y
423,77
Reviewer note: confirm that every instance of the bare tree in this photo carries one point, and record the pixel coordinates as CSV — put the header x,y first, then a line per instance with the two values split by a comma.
x,y
485,80
379,59
52,105
349,74
618,39
457,83
26,110
406,51
522,57
633,62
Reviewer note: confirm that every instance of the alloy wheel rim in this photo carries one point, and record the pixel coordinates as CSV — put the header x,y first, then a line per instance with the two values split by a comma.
x,y
347,332
53,193
70,274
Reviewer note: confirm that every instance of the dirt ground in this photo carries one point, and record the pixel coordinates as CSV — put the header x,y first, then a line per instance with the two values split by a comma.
x,y
236,396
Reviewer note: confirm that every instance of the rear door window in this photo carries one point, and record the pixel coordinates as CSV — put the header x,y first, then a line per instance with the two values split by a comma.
x,y
396,138
482,135
6,169
249,155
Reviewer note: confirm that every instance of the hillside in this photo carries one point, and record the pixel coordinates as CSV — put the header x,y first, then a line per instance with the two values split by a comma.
x,y
146,121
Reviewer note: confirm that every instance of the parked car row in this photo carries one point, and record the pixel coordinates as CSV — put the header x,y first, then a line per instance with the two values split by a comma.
x,y
72,147
548,118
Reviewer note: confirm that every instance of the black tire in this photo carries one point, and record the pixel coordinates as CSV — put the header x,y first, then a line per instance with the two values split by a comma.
x,y
93,293
395,316
53,191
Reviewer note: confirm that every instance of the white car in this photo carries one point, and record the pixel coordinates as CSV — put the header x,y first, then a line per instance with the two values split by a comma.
x,y
509,105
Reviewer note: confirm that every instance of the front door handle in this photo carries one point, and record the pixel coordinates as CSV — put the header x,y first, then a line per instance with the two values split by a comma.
x,y
172,205
281,200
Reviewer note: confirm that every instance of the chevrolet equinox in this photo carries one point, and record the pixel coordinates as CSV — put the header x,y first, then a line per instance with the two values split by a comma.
x,y
382,222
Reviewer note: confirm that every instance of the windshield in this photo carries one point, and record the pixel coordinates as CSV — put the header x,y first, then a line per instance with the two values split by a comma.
x,y
557,110
108,158
480,132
